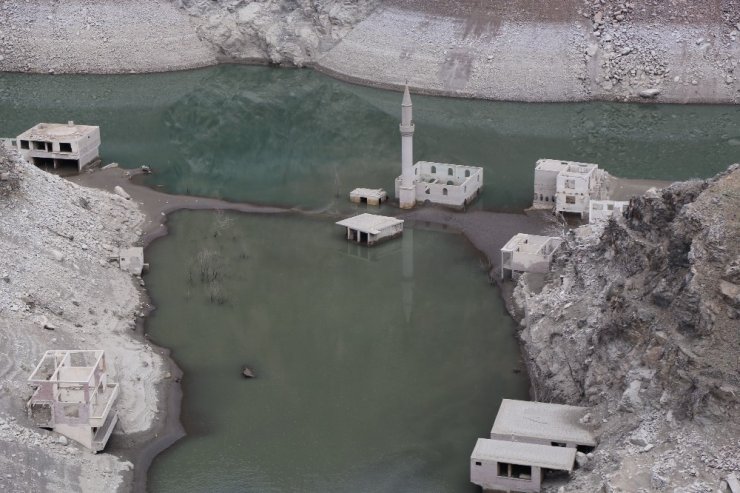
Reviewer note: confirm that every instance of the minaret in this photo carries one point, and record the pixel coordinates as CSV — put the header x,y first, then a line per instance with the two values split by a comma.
x,y
407,190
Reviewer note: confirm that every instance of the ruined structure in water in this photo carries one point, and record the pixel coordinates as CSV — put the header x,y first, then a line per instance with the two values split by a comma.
x,y
437,183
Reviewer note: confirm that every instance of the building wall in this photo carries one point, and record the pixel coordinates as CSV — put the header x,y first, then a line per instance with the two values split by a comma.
x,y
599,209
579,193
486,476
545,188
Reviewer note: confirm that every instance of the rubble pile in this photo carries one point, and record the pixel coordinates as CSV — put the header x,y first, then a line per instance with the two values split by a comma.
x,y
632,47
59,291
639,320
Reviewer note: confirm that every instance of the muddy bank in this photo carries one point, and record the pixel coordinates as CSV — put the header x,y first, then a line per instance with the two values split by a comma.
x,y
569,50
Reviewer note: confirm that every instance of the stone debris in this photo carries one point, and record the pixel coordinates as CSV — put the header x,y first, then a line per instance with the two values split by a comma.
x,y
49,285
635,322
118,190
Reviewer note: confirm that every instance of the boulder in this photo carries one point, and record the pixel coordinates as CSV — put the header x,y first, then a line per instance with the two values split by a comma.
x,y
121,192
247,372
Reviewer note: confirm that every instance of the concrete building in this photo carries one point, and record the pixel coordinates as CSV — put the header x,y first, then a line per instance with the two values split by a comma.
x,y
74,397
528,253
567,186
438,183
516,466
369,229
131,260
369,196
58,145
553,425
601,210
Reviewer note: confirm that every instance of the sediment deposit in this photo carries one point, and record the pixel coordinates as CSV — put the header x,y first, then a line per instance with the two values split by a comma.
x,y
639,319
566,50
56,238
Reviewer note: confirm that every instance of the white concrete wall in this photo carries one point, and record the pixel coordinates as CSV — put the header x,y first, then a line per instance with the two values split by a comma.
x,y
580,192
545,188
486,476
599,210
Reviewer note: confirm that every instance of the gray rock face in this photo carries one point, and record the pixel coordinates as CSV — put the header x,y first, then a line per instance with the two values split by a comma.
x,y
657,354
281,32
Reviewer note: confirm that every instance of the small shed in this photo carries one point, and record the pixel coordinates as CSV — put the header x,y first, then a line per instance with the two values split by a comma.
x,y
542,423
516,466
528,253
369,229
370,196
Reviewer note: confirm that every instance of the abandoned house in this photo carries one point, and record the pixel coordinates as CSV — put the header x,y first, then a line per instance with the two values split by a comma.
x,y
528,253
567,186
542,423
74,397
369,229
59,145
451,185
370,196
601,210
516,466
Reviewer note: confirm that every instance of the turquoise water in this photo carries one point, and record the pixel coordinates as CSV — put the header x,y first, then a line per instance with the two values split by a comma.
x,y
377,369
298,138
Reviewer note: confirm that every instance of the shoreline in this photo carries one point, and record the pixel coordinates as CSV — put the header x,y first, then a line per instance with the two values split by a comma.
x,y
486,231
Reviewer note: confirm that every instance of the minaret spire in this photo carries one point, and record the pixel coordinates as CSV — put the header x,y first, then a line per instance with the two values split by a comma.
x,y
407,189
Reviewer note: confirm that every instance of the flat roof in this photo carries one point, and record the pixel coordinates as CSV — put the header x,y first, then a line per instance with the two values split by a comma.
x,y
550,165
370,223
553,422
524,454
527,243
368,192
57,131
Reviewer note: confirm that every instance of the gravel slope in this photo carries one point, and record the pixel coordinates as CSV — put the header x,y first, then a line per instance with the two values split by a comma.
x,y
56,238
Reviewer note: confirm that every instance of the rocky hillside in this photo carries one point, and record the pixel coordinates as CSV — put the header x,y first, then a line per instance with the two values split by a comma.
x,y
58,290
640,319
285,32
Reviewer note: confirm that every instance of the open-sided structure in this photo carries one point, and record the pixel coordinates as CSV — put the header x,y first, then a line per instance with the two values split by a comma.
x,y
451,185
601,210
73,396
369,229
528,253
58,145
542,423
516,466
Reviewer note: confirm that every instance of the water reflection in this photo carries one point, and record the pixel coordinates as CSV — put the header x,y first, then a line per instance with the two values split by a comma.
x,y
298,138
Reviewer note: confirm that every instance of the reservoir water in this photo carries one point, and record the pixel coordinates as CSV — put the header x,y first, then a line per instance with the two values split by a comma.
x,y
377,369
298,138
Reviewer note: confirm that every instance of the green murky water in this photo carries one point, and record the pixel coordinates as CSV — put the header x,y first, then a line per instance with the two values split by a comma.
x,y
298,138
377,368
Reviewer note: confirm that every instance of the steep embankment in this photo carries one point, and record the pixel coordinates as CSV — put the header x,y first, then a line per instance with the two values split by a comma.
x,y
56,238
640,320
564,50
